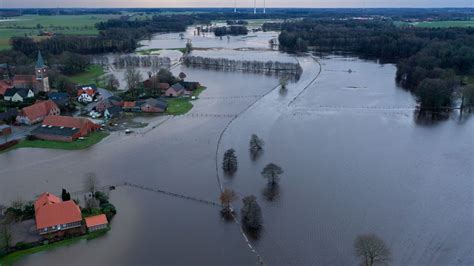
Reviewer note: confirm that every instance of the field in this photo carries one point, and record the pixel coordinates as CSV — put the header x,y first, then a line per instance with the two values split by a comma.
x,y
439,24
31,25
88,77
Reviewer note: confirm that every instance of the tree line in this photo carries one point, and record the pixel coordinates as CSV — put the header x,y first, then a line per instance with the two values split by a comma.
x,y
424,56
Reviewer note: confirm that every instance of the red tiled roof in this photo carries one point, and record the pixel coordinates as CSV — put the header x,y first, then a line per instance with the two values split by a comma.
x,y
65,121
164,86
38,109
45,199
87,90
60,213
24,78
4,86
96,220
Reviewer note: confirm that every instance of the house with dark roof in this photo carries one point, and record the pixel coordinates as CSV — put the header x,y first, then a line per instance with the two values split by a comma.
x,y
113,112
59,98
5,130
56,217
190,85
152,105
17,95
37,112
64,128
175,90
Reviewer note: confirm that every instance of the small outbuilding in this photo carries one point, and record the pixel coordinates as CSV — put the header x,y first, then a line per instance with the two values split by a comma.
x,y
175,90
5,130
96,223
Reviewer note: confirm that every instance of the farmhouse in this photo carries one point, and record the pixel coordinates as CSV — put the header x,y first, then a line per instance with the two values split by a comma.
x,y
113,112
37,112
56,217
16,95
96,223
175,90
86,93
64,128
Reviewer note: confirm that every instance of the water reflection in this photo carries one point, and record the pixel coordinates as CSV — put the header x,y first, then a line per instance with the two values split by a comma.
x,y
271,192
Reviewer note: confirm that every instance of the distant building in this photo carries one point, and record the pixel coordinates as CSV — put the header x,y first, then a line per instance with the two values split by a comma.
x,y
56,217
152,106
96,223
64,128
107,103
16,95
4,86
37,112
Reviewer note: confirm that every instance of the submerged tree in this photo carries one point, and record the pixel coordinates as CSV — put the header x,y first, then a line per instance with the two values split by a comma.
x,y
272,172
371,249
229,164
467,98
91,183
227,197
256,145
283,83
251,213
182,76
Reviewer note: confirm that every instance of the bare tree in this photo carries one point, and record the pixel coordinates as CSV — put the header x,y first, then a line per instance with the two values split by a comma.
x,y
227,197
272,172
5,238
371,249
256,146
132,77
91,183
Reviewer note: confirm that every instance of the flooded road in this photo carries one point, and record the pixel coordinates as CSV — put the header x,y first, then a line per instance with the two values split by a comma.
x,y
355,161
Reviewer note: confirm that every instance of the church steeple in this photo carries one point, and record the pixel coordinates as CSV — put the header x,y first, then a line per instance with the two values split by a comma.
x,y
40,67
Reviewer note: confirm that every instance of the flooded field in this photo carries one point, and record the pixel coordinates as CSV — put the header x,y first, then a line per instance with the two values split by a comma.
x,y
355,159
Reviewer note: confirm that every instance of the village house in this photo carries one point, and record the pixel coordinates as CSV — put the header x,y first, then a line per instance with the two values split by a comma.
x,y
37,112
38,82
175,91
107,103
96,223
113,112
64,128
131,107
152,106
86,93
55,217
16,95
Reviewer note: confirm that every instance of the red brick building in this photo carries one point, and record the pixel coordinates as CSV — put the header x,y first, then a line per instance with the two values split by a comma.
x,y
56,217
64,128
37,112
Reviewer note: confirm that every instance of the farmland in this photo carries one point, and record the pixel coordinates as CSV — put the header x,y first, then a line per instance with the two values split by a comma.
x,y
32,25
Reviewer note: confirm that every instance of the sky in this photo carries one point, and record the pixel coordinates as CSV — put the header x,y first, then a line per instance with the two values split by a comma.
x,y
230,3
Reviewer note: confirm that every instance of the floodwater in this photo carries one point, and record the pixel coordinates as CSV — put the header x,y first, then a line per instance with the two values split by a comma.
x,y
355,159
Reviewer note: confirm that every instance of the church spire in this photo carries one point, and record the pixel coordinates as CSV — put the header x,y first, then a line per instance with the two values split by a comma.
x,y
40,61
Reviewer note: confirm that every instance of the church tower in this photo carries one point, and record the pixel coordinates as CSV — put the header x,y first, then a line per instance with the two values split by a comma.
x,y
41,72
40,68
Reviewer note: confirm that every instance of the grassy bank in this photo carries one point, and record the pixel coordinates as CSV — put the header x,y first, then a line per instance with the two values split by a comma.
x,y
88,77
10,259
89,141
180,106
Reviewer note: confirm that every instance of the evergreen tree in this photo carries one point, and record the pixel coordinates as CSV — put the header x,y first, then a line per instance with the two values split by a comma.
x,y
251,213
229,164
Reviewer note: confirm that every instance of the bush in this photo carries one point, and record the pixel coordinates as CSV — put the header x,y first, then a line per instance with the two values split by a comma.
x,y
101,197
109,210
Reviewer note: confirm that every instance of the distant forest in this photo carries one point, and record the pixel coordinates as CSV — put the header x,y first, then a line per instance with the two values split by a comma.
x,y
423,55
